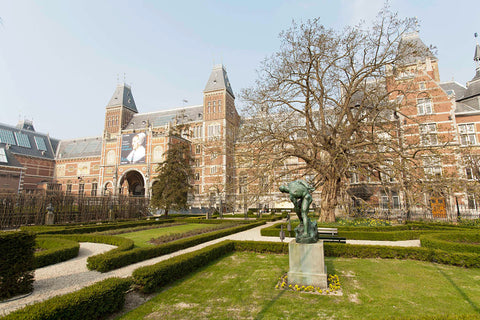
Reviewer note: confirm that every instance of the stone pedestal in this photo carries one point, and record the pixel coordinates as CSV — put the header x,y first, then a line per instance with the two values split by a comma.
x,y
307,264
50,218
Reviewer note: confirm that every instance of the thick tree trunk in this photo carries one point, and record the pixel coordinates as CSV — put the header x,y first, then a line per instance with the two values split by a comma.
x,y
330,191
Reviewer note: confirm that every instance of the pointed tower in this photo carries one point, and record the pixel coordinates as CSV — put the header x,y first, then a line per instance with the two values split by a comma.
x,y
221,121
120,110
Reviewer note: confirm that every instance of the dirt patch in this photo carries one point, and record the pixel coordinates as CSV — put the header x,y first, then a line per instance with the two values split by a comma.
x,y
133,300
354,298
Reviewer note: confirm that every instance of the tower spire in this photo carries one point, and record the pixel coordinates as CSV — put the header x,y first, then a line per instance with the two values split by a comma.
x,y
476,57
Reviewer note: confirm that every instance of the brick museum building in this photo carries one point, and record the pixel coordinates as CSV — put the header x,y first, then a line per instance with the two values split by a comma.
x,y
123,158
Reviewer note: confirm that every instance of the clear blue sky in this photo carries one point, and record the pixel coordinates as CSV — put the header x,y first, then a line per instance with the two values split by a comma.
x,y
60,59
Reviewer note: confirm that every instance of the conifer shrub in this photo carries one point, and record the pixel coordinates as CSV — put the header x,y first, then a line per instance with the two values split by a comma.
x,y
16,263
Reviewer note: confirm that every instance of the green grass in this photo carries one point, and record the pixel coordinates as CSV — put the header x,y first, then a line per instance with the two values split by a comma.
x,y
142,238
241,286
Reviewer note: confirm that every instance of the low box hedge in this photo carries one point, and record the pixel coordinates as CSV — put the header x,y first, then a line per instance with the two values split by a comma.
x,y
16,263
150,278
465,241
116,259
467,260
54,250
90,303
90,228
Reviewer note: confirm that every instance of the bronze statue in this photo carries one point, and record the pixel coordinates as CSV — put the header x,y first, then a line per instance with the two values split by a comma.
x,y
299,191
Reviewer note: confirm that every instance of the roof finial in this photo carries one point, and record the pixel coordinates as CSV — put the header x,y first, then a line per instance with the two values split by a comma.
x,y
476,57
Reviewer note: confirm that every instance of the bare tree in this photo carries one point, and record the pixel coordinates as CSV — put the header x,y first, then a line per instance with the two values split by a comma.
x,y
323,98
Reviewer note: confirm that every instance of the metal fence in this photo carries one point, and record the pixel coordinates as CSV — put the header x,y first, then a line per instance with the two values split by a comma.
x,y
24,209
453,214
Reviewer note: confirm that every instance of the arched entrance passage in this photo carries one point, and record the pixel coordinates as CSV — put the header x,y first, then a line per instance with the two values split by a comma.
x,y
132,183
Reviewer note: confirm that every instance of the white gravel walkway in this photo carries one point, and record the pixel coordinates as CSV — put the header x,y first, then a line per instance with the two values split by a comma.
x,y
72,275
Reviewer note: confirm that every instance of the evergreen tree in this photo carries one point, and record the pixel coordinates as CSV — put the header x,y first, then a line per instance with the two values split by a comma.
x,y
172,183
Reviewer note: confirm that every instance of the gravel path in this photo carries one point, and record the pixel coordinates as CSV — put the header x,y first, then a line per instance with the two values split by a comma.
x,y
72,275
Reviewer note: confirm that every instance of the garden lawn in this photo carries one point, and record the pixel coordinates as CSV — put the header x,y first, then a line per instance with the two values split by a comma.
x,y
241,286
142,238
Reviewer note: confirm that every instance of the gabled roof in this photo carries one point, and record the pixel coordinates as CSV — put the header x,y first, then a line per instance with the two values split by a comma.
x,y
123,97
218,80
27,142
80,148
161,118
414,48
453,87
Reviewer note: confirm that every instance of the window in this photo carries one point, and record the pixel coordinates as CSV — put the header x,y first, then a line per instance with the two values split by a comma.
x,y
428,134
467,134
209,107
432,167
219,105
81,189
3,156
196,189
69,189
94,189
424,106
395,200
214,106
469,173
198,149
384,202
197,176
22,140
157,154
214,130
213,169
6,136
422,85
197,162
40,143
111,157
472,203
354,177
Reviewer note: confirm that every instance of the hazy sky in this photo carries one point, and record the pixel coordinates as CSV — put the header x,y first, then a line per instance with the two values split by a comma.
x,y
60,59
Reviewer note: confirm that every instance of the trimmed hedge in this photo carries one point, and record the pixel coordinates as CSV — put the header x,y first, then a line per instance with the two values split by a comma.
x,y
467,260
92,302
465,241
90,228
55,250
150,278
16,263
262,246
116,259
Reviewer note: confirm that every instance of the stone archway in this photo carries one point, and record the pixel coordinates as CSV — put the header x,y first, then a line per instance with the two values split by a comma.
x,y
132,183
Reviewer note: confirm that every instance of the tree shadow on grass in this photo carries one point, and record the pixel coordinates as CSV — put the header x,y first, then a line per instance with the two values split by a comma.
x,y
265,309
459,290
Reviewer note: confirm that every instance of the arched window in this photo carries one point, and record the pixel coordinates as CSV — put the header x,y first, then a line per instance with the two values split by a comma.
x,y
157,154
111,157
424,104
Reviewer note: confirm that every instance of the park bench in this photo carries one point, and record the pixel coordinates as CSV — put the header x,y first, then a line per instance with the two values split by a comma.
x,y
330,235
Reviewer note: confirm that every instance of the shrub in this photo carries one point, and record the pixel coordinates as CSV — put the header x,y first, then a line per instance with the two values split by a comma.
x,y
115,259
453,241
90,228
55,250
151,278
467,260
92,302
16,263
